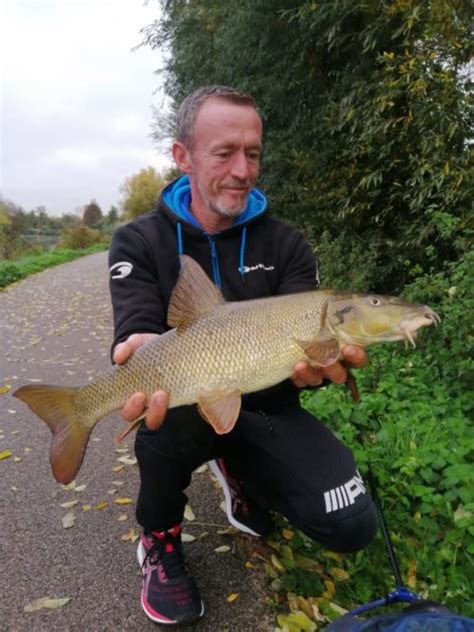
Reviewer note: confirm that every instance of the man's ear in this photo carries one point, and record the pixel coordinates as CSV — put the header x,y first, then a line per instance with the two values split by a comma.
x,y
181,157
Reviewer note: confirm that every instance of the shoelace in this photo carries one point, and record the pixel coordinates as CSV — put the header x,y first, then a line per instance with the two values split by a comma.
x,y
172,561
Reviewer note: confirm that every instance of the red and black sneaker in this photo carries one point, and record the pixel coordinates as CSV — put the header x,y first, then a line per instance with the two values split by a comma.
x,y
169,593
243,512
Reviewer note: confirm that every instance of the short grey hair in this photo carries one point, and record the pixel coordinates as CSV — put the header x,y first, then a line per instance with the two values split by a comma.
x,y
189,108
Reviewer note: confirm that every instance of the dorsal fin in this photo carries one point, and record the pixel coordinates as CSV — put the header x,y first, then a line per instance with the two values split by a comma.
x,y
194,294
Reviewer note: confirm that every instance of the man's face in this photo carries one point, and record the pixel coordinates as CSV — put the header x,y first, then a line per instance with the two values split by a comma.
x,y
224,157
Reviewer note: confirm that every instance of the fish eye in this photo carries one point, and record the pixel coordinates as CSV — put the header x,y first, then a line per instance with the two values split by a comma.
x,y
375,301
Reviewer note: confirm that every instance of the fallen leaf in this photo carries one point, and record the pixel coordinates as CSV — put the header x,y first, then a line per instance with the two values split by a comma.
x,y
4,389
68,520
287,534
5,454
249,565
102,504
111,491
122,517
69,504
86,507
338,609
118,468
118,483
123,501
225,548
276,563
27,450
71,485
201,469
187,537
189,513
130,536
80,488
127,460
339,574
17,459
232,597
46,602
123,450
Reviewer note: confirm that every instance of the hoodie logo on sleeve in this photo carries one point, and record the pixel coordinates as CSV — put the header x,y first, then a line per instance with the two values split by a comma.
x,y
121,269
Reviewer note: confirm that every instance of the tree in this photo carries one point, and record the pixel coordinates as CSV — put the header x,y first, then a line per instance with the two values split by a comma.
x,y
366,114
112,215
92,215
140,192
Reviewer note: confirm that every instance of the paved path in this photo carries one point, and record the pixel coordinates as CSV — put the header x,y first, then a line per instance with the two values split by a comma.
x,y
55,327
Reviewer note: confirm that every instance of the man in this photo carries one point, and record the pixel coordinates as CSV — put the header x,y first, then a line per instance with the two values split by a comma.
x,y
278,457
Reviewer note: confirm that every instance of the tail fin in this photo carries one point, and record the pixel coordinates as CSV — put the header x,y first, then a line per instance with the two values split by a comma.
x,y
56,406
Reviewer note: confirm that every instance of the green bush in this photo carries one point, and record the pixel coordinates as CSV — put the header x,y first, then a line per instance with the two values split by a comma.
x,y
80,236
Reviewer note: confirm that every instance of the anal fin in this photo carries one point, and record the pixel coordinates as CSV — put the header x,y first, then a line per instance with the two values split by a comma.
x,y
220,409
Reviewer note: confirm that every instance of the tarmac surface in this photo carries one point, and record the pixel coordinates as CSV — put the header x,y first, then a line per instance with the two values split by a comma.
x,y
56,328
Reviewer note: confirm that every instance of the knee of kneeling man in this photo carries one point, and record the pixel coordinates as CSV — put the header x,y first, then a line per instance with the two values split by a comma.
x,y
353,533
344,533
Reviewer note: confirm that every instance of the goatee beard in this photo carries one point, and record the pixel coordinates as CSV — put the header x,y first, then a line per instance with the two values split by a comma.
x,y
220,209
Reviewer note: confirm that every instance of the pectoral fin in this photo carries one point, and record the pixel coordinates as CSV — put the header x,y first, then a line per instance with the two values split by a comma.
x,y
320,352
220,409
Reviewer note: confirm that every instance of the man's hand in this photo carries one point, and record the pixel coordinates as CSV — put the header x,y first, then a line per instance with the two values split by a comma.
x,y
157,407
306,375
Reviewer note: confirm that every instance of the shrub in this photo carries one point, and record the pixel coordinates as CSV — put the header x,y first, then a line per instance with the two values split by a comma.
x,y
79,237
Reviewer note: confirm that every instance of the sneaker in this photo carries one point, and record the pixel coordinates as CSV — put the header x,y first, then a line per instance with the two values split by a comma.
x,y
243,512
169,593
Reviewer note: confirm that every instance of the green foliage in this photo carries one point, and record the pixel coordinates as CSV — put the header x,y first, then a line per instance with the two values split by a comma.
x,y
366,110
11,271
79,236
414,424
140,192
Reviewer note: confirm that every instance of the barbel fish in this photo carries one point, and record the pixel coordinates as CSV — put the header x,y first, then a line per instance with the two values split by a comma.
x,y
218,350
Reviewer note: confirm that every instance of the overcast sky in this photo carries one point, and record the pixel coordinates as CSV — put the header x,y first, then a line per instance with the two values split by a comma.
x,y
75,100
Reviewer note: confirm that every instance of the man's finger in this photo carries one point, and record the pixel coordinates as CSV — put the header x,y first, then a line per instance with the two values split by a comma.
x,y
336,373
305,375
134,406
157,410
355,356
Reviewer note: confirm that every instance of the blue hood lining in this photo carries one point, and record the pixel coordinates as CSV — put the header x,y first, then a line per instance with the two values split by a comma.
x,y
177,196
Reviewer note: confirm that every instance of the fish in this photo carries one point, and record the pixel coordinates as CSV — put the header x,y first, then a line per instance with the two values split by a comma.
x,y
215,351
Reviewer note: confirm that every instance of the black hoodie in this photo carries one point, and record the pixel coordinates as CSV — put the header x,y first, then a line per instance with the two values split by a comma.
x,y
257,256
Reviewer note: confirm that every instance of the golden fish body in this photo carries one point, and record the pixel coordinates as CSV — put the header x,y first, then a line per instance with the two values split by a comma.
x,y
217,351
245,346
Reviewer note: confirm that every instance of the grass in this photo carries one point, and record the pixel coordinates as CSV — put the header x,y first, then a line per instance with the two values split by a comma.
x,y
12,271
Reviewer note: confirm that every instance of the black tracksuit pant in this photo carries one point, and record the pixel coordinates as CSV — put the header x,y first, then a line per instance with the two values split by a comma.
x,y
288,461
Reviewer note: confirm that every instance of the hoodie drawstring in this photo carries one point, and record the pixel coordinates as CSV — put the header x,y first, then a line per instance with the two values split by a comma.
x,y
243,241
215,260
180,239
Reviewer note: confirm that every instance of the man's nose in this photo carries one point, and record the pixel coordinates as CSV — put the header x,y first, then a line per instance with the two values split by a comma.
x,y
240,166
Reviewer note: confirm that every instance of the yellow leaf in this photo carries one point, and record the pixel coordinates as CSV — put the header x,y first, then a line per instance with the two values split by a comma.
x,y
340,611
225,548
80,488
5,454
287,534
276,563
118,468
130,536
189,513
17,459
337,557
122,517
187,537
123,501
68,520
69,504
232,597
330,588
102,504
86,507
339,574
4,389
46,602
249,565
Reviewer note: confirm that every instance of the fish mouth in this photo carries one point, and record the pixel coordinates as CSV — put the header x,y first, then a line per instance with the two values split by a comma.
x,y
408,327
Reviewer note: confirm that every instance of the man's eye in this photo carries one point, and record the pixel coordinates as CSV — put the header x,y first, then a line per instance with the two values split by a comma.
x,y
254,155
223,154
